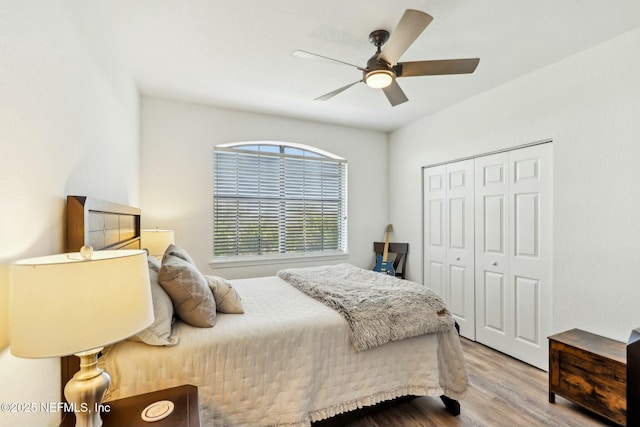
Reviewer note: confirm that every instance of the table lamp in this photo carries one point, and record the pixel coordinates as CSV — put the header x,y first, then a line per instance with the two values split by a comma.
x,y
157,241
77,303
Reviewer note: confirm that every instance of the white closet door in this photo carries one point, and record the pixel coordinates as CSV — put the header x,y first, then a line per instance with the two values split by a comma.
x,y
492,225
460,246
449,246
513,252
434,268
530,260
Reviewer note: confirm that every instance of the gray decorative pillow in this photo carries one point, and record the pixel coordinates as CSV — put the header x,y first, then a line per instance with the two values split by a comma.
x,y
192,299
159,332
179,252
227,298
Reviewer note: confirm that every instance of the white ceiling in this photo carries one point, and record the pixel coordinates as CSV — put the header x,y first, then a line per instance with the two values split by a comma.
x,y
237,54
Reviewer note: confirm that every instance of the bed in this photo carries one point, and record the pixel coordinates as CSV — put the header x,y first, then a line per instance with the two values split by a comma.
x,y
286,361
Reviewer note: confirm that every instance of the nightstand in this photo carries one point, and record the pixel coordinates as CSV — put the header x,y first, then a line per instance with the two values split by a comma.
x,y
591,371
127,411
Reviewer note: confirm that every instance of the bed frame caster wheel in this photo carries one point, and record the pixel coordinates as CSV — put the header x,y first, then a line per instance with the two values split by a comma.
x,y
453,406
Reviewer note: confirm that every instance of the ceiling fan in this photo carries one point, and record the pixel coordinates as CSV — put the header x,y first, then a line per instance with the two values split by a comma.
x,y
383,68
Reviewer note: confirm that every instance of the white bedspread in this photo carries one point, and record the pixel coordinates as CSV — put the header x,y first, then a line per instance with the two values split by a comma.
x,y
286,361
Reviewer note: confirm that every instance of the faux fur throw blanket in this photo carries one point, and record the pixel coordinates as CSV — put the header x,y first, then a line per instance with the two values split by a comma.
x,y
378,307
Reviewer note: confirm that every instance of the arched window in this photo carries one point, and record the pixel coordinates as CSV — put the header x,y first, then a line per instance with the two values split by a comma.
x,y
275,198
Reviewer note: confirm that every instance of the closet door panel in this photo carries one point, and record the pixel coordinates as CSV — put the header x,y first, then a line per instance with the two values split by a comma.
x,y
493,224
435,276
530,258
457,282
527,312
460,245
493,315
513,242
436,223
526,238
493,289
434,229
448,266
457,226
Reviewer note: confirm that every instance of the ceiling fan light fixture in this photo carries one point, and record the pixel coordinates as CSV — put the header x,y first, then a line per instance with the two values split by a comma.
x,y
379,79
383,68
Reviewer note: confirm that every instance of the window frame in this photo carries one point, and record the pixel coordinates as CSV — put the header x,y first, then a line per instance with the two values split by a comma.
x,y
307,153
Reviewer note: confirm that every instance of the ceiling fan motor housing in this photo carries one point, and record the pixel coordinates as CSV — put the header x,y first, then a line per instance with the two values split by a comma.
x,y
378,73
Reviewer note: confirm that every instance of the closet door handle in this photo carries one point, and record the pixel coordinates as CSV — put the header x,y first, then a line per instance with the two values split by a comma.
x,y
494,263
458,259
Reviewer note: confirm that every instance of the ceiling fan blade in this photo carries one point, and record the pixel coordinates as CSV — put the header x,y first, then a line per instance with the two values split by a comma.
x,y
411,25
394,93
438,67
303,54
331,94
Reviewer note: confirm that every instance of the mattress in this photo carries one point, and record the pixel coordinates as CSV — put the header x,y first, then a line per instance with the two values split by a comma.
x,y
287,361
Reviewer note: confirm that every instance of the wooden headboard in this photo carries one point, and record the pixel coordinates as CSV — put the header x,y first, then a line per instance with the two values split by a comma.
x,y
103,225
100,224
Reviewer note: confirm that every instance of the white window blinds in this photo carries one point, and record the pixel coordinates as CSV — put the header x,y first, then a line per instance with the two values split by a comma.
x,y
278,199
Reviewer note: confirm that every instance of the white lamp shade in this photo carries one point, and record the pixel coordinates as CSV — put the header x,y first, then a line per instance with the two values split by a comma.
x,y
157,241
65,304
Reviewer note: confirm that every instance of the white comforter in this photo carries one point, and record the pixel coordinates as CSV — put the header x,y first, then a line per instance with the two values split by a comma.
x,y
286,361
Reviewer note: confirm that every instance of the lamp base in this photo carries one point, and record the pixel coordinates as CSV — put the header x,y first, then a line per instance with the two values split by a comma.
x,y
86,389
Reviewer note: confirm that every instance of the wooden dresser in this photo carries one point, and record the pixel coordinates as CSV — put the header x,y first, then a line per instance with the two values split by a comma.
x,y
591,371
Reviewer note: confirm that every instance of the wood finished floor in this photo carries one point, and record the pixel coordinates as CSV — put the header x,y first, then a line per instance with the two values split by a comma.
x,y
504,392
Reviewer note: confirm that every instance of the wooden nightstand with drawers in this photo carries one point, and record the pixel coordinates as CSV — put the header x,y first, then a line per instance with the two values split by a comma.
x,y
127,411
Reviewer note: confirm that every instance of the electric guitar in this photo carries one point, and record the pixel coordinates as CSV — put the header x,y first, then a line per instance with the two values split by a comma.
x,y
382,263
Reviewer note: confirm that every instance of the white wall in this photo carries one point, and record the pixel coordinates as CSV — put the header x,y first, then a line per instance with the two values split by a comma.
x,y
589,104
177,174
68,125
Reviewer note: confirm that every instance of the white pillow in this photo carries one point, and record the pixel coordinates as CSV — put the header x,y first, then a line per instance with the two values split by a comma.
x,y
159,332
